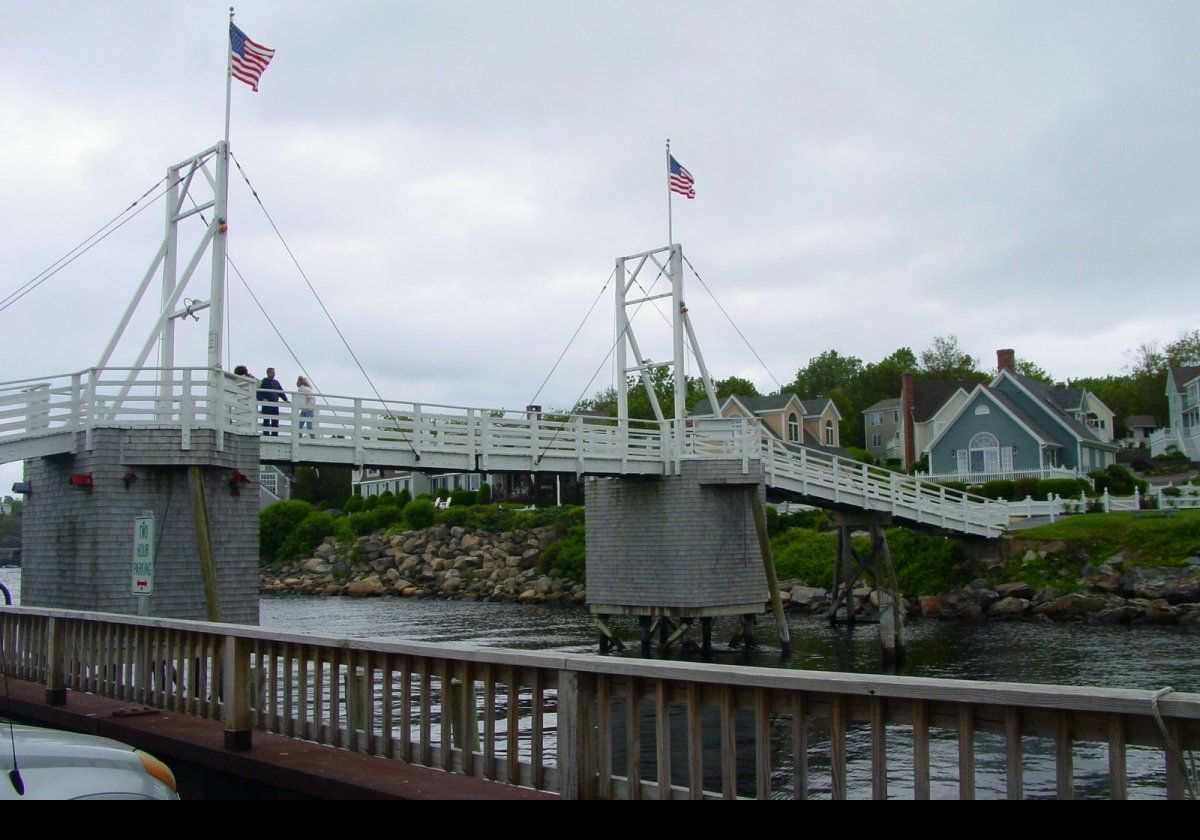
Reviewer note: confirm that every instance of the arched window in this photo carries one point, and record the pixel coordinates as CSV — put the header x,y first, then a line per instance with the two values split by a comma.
x,y
793,428
830,438
984,453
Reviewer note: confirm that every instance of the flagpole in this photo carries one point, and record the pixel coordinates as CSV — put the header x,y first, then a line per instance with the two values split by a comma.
x,y
670,230
228,76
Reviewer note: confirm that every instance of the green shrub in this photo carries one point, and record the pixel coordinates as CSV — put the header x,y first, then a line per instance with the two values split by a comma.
x,y
370,503
1172,492
276,522
454,515
859,454
306,536
463,498
419,513
954,485
1024,488
386,515
927,565
353,505
565,557
343,531
442,494
362,523
403,498
804,555
387,498
484,494
1064,488
1005,490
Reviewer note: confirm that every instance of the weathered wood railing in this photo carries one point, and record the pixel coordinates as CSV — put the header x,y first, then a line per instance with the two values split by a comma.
x,y
562,722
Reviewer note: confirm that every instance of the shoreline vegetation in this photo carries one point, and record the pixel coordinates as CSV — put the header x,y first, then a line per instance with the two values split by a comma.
x,y
1115,568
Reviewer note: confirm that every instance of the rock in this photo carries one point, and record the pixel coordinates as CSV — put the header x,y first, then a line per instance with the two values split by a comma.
x,y
1191,561
808,596
1175,584
367,586
1160,612
1046,594
316,565
1118,615
969,612
1068,606
542,586
1009,607
933,606
1019,589
527,595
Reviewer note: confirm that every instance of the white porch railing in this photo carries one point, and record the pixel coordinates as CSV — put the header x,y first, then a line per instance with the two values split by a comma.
x,y
1003,475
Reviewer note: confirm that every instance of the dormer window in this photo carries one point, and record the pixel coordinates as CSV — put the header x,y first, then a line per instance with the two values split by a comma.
x,y
793,430
829,434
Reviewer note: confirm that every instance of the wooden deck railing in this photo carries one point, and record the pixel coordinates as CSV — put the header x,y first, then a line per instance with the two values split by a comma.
x,y
565,722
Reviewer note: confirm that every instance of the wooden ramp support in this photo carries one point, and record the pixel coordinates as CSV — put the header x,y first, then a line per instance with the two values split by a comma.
x,y
849,567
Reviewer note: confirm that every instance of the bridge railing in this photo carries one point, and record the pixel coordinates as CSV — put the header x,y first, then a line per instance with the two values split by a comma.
x,y
338,420
183,398
588,726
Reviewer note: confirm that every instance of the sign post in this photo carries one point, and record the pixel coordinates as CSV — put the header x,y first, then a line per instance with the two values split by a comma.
x,y
142,580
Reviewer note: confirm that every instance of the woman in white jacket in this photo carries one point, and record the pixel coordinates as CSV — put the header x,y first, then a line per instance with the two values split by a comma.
x,y
305,400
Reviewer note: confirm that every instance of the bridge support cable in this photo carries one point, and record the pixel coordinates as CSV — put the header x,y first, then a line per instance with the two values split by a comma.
x,y
102,233
574,336
737,329
283,241
617,341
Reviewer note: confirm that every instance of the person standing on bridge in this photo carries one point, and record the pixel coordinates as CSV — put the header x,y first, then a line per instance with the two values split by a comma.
x,y
306,400
270,391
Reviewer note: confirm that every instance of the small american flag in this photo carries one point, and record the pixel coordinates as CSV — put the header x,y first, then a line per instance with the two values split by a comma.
x,y
249,59
681,181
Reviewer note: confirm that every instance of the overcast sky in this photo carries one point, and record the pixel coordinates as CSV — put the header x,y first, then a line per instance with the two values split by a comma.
x,y
456,179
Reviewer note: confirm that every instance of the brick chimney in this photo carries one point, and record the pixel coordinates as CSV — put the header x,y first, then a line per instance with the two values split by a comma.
x,y
906,420
1006,360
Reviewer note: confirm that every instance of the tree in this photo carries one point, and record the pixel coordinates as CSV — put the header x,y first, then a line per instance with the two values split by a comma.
x,y
824,373
323,487
944,359
735,386
1033,371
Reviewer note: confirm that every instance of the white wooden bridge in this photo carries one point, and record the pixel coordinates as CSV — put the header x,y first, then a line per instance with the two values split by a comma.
x,y
58,414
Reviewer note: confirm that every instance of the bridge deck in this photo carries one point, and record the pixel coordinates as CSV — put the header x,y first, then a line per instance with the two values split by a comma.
x,y
58,414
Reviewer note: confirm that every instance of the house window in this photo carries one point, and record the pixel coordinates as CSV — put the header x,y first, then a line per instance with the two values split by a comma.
x,y
896,415
793,428
876,441
982,455
982,409
829,436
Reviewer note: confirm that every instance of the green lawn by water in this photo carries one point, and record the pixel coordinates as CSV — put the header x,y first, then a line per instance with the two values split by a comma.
x,y
1150,537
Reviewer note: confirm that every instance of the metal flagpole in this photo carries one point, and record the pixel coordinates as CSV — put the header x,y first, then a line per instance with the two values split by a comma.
x,y
670,231
228,74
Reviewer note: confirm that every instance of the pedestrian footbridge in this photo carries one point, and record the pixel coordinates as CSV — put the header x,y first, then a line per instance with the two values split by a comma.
x,y
57,415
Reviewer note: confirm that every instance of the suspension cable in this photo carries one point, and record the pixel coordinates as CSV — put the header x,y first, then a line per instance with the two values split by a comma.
x,y
574,336
324,309
696,274
102,233
603,362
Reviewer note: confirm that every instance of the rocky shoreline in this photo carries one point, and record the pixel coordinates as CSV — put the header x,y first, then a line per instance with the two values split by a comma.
x,y
438,562
463,564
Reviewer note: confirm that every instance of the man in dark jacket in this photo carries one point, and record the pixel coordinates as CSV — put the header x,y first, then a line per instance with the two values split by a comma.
x,y
270,391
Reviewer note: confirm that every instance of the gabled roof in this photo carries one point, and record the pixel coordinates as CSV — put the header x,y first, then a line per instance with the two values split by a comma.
x,y
1183,374
762,405
894,402
1045,393
1006,405
1068,399
929,396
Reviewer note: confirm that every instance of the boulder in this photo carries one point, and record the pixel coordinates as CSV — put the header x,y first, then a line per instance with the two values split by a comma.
x,y
1174,584
1069,606
1019,589
1009,607
933,606
1046,594
367,586
1118,615
808,596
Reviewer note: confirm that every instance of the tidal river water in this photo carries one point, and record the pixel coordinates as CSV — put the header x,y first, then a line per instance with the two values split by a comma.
x,y
1067,654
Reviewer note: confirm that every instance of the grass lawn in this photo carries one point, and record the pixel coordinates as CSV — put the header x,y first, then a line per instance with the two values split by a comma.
x,y
1151,537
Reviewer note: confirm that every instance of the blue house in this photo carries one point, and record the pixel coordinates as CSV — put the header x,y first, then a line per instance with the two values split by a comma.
x,y
1016,427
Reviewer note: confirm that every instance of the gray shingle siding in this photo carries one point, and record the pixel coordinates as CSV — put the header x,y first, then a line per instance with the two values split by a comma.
x,y
77,544
684,542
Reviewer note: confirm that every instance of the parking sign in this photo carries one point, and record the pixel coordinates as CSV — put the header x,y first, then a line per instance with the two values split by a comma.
x,y
142,582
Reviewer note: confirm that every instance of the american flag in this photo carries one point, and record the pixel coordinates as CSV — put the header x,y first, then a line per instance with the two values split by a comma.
x,y
249,59
681,181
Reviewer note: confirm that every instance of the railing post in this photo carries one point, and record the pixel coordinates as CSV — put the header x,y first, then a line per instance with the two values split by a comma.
x,y
295,427
185,407
576,739
1104,500
235,687
76,407
358,441
56,689
216,401
579,450
418,426
91,408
